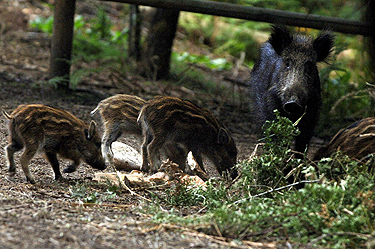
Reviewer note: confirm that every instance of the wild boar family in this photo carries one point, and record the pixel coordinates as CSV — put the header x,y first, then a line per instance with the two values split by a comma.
x,y
285,78
170,125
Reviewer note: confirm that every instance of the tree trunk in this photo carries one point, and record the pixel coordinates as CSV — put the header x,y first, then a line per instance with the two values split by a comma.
x,y
370,42
159,43
62,42
135,33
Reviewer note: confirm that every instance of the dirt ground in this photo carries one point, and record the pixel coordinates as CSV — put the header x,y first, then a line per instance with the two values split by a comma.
x,y
51,214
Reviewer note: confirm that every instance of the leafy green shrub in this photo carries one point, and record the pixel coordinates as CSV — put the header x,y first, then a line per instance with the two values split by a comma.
x,y
84,193
238,37
218,64
337,212
271,169
346,94
43,24
94,39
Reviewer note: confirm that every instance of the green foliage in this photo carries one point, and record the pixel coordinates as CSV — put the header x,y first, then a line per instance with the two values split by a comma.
x,y
84,193
337,212
339,165
270,169
346,97
222,36
185,74
183,195
93,40
218,64
189,195
279,134
238,40
81,193
43,24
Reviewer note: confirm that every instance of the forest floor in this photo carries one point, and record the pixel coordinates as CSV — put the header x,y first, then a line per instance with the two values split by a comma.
x,y
51,214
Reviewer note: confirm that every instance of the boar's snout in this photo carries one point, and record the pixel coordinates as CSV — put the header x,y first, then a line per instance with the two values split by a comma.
x,y
97,163
292,107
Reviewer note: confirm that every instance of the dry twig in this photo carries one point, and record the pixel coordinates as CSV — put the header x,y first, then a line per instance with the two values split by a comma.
x,y
123,185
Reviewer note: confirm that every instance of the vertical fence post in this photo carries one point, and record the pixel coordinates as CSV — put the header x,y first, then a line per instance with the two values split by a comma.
x,y
62,42
134,33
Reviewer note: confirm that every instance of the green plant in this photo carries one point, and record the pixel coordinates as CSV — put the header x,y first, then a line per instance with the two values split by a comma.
x,y
219,63
337,212
81,192
346,94
186,74
84,193
43,24
273,167
94,39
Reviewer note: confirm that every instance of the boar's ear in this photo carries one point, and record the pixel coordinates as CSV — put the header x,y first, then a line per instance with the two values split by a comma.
x,y
323,46
90,133
222,136
280,38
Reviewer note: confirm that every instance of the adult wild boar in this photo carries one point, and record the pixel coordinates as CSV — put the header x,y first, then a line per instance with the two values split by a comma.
x,y
51,131
286,78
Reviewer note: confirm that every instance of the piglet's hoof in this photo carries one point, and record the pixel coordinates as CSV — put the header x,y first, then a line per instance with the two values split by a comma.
x,y
69,169
32,181
59,177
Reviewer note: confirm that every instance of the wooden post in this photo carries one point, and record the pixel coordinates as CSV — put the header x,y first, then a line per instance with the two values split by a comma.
x,y
159,43
134,33
62,42
369,17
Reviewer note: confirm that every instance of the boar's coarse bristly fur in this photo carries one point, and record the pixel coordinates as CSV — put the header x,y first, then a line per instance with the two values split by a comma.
x,y
119,115
356,141
51,131
177,127
286,78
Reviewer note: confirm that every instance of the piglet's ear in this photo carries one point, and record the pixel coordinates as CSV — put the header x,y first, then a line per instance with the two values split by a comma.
x,y
280,39
323,46
90,133
222,136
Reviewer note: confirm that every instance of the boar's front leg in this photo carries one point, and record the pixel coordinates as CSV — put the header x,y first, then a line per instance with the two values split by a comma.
x,y
26,156
52,158
153,153
148,137
198,158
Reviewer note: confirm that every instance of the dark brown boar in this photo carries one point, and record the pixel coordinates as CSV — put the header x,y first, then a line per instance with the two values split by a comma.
x,y
178,126
286,78
119,115
51,131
